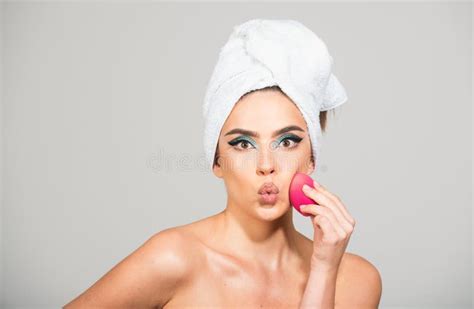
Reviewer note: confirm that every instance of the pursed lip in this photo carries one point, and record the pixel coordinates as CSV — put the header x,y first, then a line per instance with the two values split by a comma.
x,y
268,188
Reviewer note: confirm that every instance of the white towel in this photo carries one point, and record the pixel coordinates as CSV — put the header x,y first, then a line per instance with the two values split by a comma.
x,y
267,52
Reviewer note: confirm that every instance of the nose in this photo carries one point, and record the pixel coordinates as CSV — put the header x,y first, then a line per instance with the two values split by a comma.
x,y
265,162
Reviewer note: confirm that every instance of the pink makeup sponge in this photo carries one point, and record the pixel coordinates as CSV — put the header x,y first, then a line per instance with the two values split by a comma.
x,y
297,196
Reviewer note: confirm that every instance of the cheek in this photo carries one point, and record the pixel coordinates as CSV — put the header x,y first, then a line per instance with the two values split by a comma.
x,y
239,162
293,160
238,184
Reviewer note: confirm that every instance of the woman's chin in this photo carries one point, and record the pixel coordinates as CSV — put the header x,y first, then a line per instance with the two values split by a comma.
x,y
271,211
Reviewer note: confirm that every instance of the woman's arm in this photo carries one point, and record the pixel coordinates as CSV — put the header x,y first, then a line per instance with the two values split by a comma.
x,y
320,291
333,226
147,278
359,286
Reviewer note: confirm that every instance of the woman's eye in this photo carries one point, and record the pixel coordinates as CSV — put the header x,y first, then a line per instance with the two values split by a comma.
x,y
286,143
244,144
241,144
289,143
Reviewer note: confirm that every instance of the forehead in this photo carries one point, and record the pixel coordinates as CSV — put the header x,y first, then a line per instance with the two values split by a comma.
x,y
265,112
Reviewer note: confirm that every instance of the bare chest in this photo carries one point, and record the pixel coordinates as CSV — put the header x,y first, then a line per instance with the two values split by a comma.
x,y
227,284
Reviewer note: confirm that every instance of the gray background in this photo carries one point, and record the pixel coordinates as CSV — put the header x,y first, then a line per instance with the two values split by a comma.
x,y
102,138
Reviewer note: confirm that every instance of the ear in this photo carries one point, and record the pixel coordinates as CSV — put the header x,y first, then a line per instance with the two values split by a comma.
x,y
217,170
311,167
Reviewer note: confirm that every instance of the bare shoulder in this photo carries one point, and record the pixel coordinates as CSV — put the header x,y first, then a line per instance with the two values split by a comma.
x,y
356,265
360,283
146,278
172,252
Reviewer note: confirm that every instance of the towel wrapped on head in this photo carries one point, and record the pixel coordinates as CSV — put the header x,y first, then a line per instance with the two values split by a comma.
x,y
268,52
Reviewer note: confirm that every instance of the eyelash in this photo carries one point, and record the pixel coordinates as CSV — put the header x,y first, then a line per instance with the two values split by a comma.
x,y
296,139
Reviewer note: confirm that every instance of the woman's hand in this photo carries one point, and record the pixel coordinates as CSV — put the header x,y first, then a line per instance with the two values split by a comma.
x,y
333,226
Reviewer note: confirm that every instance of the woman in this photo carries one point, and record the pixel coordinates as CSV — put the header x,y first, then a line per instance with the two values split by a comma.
x,y
250,254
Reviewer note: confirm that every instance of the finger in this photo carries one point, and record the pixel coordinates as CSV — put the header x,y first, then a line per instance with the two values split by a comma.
x,y
324,200
324,227
336,200
330,234
320,210
342,208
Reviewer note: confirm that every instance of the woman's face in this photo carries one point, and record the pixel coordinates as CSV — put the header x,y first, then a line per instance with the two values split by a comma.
x,y
253,150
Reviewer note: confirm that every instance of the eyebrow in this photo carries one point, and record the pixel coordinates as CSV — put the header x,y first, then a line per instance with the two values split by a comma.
x,y
255,134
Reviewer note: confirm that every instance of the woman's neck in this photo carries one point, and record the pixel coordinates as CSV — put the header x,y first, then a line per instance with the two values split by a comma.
x,y
268,243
